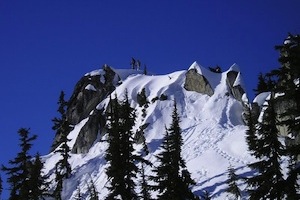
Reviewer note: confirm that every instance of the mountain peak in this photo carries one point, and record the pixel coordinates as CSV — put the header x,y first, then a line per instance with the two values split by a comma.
x,y
195,65
200,69
211,121
234,67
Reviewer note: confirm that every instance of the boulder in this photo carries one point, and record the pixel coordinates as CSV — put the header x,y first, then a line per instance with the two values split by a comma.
x,y
197,82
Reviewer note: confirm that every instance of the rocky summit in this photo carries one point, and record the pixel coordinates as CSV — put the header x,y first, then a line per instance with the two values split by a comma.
x,y
210,106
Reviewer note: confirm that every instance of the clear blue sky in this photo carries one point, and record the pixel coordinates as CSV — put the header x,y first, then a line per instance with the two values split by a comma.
x,y
46,46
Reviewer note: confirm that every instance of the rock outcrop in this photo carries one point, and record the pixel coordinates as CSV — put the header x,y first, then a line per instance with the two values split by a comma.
x,y
197,82
90,90
280,108
94,87
88,134
233,82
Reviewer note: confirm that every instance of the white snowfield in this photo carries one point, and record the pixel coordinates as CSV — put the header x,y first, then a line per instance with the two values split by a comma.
x,y
212,129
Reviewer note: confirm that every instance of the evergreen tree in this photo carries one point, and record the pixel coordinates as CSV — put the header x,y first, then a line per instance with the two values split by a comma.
x,y
122,169
162,177
172,178
38,184
232,183
145,187
78,193
251,137
62,128
113,152
145,70
288,83
289,59
127,122
140,138
138,64
268,182
62,167
19,172
133,63
58,121
58,189
92,191
262,85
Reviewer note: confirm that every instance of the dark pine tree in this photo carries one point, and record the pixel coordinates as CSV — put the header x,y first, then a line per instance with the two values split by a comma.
x,y
122,169
262,85
138,64
251,137
289,59
78,193
162,172
232,183
172,178
113,152
63,168
145,70
93,193
288,76
19,172
58,121
267,183
145,187
133,63
39,186
127,122
62,128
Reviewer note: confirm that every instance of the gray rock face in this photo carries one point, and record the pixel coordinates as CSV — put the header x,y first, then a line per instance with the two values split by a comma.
x,y
88,93
93,128
197,82
280,108
236,90
83,100
92,89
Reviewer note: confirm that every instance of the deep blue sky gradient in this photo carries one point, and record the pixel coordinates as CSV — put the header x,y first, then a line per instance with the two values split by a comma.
x,y
46,46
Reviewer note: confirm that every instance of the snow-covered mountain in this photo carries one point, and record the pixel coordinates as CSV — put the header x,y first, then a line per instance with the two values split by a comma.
x,y
210,106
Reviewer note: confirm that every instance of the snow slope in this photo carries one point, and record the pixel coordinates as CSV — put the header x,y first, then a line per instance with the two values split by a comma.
x,y
212,130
